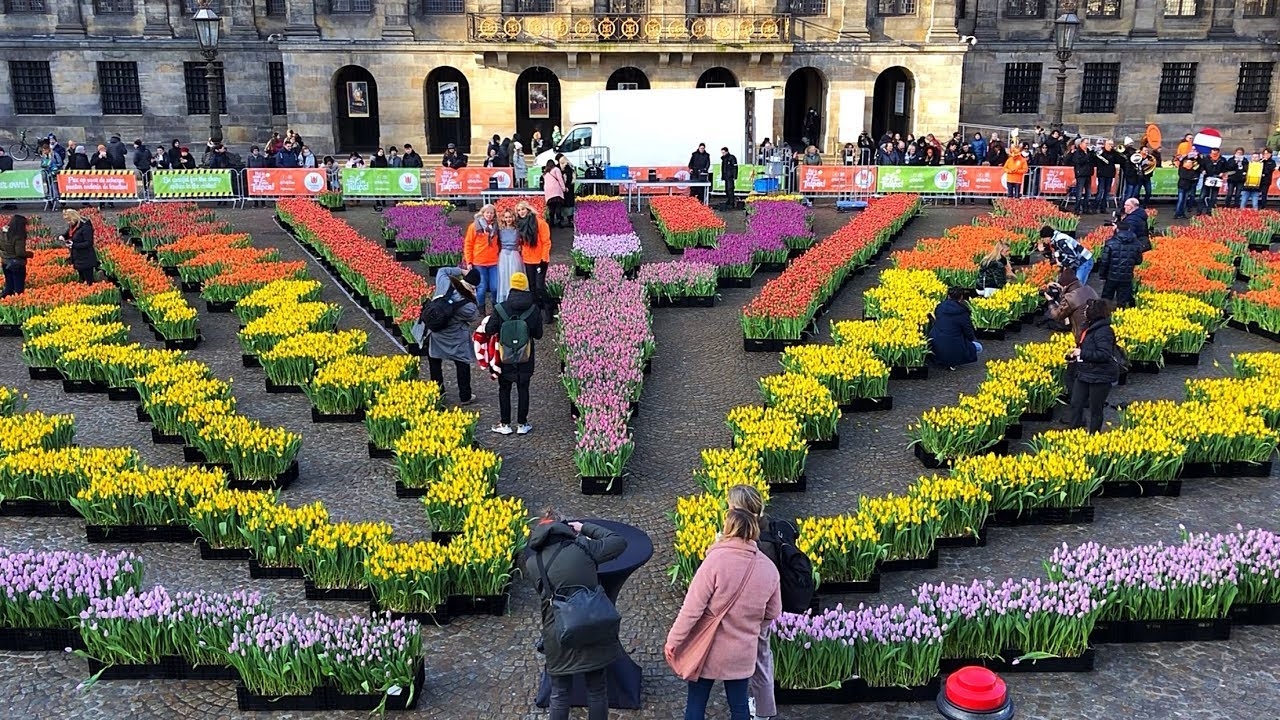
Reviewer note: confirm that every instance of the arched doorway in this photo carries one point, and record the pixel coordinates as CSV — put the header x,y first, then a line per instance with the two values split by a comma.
x,y
537,103
806,88
891,102
448,105
717,77
355,95
627,78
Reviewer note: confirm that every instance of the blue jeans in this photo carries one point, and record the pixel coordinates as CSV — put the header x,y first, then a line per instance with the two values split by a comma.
x,y
15,279
1146,189
1186,201
1211,197
976,345
1104,192
735,692
488,284
1082,272
1249,197
1082,195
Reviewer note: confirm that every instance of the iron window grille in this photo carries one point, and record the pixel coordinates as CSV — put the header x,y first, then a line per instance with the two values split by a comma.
x,y
119,88
1177,88
32,87
1021,88
1100,86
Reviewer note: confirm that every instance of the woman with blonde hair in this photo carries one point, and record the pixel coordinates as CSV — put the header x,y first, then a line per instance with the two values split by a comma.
x,y
79,240
480,250
733,598
994,270
509,260
760,688
535,250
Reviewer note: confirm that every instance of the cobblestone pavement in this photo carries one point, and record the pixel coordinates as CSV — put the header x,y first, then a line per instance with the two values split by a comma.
x,y
486,667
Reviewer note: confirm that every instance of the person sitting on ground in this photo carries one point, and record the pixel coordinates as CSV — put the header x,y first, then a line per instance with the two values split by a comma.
x,y
994,270
952,339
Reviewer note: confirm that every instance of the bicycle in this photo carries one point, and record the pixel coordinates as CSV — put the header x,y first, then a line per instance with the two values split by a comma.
x,y
21,150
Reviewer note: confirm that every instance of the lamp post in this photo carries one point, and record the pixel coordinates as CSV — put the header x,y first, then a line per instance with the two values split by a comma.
x,y
207,25
1065,30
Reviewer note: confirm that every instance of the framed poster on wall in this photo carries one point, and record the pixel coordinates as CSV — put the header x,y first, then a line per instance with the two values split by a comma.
x,y
358,99
539,100
450,101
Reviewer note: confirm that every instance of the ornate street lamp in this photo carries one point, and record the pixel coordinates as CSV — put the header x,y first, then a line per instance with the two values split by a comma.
x,y
207,25
1065,30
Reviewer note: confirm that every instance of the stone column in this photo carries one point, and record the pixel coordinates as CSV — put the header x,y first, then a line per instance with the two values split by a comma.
x,y
395,20
157,19
301,18
942,22
1144,17
180,19
242,23
70,19
1223,24
855,20
986,14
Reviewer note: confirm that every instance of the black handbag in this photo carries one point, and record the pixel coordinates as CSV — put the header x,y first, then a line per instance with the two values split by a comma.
x,y
582,617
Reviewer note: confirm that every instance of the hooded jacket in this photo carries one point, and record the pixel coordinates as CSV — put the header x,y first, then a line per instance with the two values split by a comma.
x,y
516,303
454,341
1123,254
83,254
1098,354
1071,305
141,158
117,151
576,565
951,335
79,160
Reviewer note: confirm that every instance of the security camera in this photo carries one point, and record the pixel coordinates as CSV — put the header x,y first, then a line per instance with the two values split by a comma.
x,y
969,40
275,38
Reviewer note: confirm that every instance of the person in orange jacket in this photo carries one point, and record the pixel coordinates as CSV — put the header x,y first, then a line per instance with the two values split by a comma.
x,y
480,250
1015,170
535,250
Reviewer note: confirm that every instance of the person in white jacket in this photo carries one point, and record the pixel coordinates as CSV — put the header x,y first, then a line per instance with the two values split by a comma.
x,y
519,166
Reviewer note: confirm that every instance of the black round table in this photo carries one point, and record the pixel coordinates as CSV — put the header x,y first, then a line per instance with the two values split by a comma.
x,y
624,675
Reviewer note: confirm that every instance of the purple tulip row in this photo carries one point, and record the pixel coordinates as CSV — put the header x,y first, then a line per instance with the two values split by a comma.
x,y
424,227
602,229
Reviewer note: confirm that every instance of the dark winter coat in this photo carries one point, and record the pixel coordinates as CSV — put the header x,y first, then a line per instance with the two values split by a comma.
x,y
951,336
1236,170
1136,223
1106,162
576,565
255,161
1268,169
83,255
700,163
729,168
1122,255
993,274
454,342
141,158
117,151
517,302
101,161
1082,162
13,247
1188,173
175,156
1098,354
79,160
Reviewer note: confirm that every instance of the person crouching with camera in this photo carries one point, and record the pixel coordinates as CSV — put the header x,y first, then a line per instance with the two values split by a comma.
x,y
1068,299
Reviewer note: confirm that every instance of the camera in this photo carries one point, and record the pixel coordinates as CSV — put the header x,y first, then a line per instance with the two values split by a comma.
x,y
1054,291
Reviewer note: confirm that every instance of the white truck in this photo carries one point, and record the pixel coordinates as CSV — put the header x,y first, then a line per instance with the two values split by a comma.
x,y
657,128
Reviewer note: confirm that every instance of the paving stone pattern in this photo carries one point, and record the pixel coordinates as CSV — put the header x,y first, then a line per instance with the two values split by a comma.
x,y
487,668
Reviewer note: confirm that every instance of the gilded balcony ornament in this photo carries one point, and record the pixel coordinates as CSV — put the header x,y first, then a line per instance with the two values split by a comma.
x,y
676,28
769,29
511,28
722,30
487,29
559,28
630,29
606,28
698,29
583,29
653,29
535,25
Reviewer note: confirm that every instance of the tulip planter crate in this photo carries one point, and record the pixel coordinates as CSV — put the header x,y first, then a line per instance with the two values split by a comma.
x,y
575,413
1005,663
916,372
122,394
279,482
772,345
7,330
338,594
1146,367
601,484
40,639
87,387
267,572
817,696
929,562
191,286
169,667
274,389
219,306
1013,432
404,491
798,485
208,552
831,443
250,361
990,333
409,255
1185,359
875,404
1192,470
444,537
1255,614
320,417
490,605
1041,516
124,534
1139,488
440,616
326,698
1029,416
850,587
37,508
378,453
1109,632
860,692
44,373
933,462
733,282
963,541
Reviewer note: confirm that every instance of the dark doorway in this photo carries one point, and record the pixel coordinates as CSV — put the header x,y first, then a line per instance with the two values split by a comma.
x,y
891,102
717,77
448,115
355,95
537,103
805,89
627,78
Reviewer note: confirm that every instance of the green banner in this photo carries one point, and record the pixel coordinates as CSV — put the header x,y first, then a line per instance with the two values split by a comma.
x,y
914,179
381,182
21,185
1164,181
191,183
746,176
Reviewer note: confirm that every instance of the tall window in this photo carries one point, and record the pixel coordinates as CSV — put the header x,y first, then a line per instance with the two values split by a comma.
x,y
1099,87
444,7
118,85
277,8
1024,8
1259,8
350,6
1181,8
198,88
1253,90
279,94
1177,88
24,6
113,7
1102,8
32,87
1021,88
807,8
896,7
717,7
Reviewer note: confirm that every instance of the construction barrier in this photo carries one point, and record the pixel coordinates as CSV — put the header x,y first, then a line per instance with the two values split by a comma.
x,y
201,184
98,185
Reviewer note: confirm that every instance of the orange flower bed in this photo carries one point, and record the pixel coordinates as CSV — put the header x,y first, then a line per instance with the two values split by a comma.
x,y
17,308
537,202
189,246
245,278
133,270
47,274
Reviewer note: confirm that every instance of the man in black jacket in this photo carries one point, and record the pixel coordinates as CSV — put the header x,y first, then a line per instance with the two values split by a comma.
x,y
6,162
141,161
1215,170
1081,161
452,158
1105,161
1237,167
256,160
118,153
729,172
1122,255
699,171
1268,171
1188,176
518,307
1135,221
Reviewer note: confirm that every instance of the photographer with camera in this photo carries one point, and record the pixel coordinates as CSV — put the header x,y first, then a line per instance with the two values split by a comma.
x,y
1093,366
1068,298
1121,255
1063,250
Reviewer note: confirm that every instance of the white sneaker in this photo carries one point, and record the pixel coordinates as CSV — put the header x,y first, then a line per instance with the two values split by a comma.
x,y
751,705
501,429
524,429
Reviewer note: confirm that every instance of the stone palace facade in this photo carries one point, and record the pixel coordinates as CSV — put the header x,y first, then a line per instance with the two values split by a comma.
x,y
353,74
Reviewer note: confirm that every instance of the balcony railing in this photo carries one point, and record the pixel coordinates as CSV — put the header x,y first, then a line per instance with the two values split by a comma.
x,y
632,28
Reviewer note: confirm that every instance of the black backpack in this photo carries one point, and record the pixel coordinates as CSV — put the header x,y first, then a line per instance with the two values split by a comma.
x,y
437,313
795,569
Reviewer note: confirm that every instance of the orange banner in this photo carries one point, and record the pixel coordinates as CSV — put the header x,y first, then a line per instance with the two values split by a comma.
x,y
836,179
99,183
980,180
470,181
664,173
1056,180
284,182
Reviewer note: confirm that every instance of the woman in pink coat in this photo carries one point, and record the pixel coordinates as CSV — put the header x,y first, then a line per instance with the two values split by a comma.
x,y
553,191
734,596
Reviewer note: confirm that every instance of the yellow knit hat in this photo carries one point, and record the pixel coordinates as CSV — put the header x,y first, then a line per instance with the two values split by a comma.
x,y
519,281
